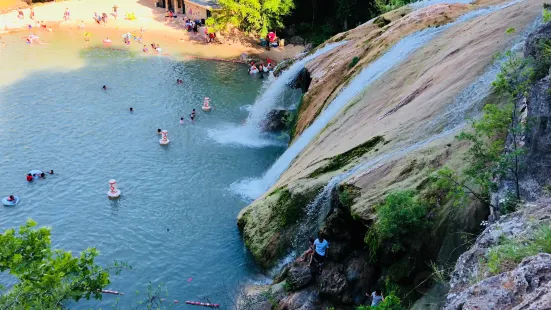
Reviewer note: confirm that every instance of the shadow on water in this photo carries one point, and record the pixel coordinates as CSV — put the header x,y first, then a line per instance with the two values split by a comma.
x,y
176,219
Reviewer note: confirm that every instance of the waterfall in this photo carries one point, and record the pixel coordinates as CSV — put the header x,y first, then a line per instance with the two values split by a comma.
x,y
468,100
424,3
250,134
253,188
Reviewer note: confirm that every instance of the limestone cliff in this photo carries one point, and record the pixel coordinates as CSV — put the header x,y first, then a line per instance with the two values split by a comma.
x,y
390,135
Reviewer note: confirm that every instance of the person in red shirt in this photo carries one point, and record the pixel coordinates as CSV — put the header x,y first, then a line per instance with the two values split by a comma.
x,y
29,177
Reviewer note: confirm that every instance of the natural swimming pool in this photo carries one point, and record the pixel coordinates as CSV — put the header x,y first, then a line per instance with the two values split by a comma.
x,y
176,218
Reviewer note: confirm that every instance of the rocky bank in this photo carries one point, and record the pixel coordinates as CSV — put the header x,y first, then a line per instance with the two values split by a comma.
x,y
390,136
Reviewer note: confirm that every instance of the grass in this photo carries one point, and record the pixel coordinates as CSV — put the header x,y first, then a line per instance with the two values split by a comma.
x,y
338,161
511,251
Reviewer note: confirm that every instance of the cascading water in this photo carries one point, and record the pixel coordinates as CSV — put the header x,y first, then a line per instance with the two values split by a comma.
x,y
424,3
250,134
466,101
395,55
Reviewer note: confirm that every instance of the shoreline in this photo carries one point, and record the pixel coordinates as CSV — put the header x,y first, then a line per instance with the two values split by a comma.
x,y
169,34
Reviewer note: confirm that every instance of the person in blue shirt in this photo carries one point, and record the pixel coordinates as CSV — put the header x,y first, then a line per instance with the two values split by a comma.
x,y
320,250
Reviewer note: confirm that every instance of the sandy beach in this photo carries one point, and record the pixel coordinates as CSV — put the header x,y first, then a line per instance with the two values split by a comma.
x,y
167,34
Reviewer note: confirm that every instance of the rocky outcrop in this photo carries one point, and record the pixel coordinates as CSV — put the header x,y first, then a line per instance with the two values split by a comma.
x,y
526,287
299,275
275,120
472,286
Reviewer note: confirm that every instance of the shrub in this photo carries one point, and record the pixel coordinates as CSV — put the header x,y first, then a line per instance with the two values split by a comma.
x,y
391,302
400,220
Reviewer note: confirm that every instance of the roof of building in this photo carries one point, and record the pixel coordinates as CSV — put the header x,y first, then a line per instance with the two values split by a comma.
x,y
207,4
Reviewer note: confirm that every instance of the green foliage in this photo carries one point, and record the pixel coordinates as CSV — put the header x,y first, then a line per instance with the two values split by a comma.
x,y
47,278
389,5
391,302
341,160
546,15
255,16
353,62
401,218
487,159
510,30
512,251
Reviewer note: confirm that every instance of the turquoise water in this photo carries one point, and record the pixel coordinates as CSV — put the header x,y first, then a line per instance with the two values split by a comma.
x,y
176,218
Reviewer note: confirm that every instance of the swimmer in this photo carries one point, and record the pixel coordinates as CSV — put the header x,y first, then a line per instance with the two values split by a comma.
x,y
43,175
29,177
145,49
192,115
131,110
104,87
11,198
51,172
181,120
159,131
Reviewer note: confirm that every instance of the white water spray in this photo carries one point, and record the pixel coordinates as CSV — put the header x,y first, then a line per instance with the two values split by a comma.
x,y
254,188
250,134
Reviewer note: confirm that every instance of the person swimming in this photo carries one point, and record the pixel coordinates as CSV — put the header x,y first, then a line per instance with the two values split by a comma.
x,y
192,115
51,172
29,177
11,198
104,87
159,131
131,110
43,175
181,120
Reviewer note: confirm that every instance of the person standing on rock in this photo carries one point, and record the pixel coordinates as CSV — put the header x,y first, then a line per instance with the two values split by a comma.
x,y
320,247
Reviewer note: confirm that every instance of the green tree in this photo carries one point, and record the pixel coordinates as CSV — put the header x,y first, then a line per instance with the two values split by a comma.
x,y
400,219
257,16
47,278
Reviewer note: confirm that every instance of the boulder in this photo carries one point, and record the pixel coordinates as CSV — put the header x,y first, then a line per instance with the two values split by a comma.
x,y
307,299
332,283
299,275
535,39
275,120
526,287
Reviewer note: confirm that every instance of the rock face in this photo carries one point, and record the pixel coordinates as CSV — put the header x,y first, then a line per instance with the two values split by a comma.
x,y
275,120
529,281
526,287
299,275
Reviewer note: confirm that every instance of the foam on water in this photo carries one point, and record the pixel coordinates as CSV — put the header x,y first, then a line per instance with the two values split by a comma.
x,y
250,133
395,55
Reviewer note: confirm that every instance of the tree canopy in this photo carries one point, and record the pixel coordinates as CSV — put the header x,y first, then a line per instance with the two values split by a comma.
x,y
258,16
47,278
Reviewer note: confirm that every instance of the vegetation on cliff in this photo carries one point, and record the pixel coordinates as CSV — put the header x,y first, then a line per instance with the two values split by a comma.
x,y
339,161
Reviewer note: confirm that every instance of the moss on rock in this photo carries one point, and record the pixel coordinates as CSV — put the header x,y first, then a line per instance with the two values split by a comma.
x,y
339,161
269,224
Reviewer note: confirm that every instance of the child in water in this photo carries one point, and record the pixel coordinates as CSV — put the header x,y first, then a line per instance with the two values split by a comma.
x,y
181,120
104,87
131,110
29,177
192,115
159,131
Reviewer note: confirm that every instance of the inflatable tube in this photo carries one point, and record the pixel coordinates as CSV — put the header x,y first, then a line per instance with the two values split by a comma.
x,y
107,41
10,203
206,109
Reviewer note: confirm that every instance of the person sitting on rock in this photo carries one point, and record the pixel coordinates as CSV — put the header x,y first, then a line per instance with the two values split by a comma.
x,y
320,250
307,255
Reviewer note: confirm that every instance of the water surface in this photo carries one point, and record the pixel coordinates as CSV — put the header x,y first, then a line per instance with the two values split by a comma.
x,y
176,218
